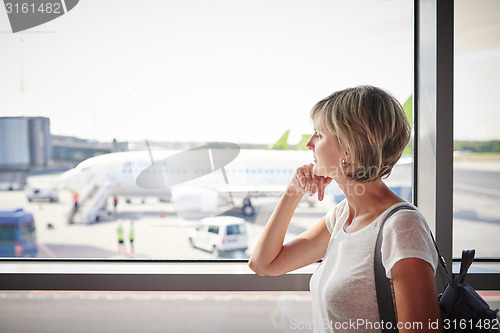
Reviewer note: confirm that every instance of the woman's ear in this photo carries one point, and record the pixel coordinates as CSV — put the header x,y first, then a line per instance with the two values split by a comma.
x,y
347,158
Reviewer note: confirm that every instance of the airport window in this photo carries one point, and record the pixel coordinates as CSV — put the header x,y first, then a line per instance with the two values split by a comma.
x,y
437,27
181,86
142,117
476,222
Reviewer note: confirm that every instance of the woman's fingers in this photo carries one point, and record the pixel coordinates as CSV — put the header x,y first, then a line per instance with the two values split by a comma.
x,y
310,183
323,182
309,180
321,188
315,185
304,175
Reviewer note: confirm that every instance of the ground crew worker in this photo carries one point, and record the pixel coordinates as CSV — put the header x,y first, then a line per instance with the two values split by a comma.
x,y
131,236
119,230
75,202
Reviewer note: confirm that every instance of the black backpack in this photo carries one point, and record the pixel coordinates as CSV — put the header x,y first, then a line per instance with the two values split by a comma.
x,y
462,309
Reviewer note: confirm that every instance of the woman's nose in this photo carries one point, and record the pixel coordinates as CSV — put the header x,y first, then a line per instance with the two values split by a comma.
x,y
310,143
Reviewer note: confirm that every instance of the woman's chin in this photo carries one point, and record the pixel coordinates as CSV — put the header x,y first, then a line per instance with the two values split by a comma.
x,y
317,171
322,171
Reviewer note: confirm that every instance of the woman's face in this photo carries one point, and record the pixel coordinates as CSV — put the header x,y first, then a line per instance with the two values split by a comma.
x,y
328,154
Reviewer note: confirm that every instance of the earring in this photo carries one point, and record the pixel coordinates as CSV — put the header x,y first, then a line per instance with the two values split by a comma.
x,y
344,161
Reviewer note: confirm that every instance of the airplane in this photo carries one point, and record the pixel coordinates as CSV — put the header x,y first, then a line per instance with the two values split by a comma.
x,y
200,182
200,188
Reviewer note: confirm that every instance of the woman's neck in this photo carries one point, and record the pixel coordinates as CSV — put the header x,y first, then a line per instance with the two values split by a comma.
x,y
370,198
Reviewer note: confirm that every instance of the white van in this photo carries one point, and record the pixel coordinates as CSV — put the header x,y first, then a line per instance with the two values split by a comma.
x,y
42,191
219,234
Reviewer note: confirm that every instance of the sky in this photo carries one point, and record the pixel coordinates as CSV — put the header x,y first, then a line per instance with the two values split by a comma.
x,y
229,70
477,69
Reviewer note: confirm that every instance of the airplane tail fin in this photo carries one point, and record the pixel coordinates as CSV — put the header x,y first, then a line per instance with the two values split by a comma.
x,y
282,143
407,107
302,144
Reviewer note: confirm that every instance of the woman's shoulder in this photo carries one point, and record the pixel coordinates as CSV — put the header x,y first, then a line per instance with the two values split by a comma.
x,y
342,206
405,211
407,235
405,219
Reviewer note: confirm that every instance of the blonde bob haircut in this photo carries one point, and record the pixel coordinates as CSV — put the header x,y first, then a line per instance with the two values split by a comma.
x,y
370,125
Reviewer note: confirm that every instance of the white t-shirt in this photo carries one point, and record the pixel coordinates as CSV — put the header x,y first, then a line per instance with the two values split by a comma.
x,y
343,291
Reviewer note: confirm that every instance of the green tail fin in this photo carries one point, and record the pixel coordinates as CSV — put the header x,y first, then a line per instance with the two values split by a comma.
x,y
282,143
407,107
302,144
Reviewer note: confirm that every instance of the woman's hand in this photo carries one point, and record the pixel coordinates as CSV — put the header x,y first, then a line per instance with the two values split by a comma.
x,y
270,256
305,181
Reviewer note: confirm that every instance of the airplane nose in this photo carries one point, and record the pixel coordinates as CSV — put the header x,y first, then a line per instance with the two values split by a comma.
x,y
65,176
68,180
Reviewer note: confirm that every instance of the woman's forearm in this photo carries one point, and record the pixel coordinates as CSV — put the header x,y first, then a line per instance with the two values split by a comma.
x,y
272,237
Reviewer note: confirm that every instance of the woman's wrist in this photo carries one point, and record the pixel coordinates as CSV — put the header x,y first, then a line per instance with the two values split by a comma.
x,y
294,192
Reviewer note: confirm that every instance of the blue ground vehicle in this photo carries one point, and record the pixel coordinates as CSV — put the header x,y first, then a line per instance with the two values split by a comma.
x,y
17,233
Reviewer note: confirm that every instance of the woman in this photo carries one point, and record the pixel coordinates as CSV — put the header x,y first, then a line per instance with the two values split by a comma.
x,y
360,134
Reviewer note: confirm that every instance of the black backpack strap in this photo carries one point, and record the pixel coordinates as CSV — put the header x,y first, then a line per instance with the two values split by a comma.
x,y
382,283
467,258
442,274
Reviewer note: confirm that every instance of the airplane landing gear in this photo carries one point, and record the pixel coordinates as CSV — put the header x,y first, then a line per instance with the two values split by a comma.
x,y
248,209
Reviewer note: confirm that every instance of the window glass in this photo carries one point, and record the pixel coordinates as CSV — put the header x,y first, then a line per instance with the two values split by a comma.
x,y
27,232
7,234
235,229
102,100
213,229
477,146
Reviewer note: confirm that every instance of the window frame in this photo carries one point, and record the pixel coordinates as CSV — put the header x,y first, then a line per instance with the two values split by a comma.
x,y
433,138
433,156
